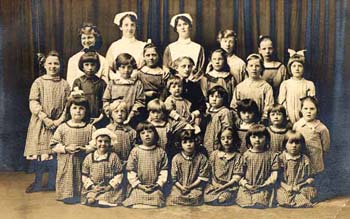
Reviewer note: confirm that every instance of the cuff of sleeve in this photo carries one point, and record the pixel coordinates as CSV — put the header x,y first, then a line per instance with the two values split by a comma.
x,y
196,113
115,182
205,179
59,148
173,114
42,115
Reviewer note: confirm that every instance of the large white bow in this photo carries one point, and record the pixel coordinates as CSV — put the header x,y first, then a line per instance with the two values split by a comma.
x,y
293,52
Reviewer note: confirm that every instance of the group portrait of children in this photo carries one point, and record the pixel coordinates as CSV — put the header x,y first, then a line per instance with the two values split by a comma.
x,y
144,128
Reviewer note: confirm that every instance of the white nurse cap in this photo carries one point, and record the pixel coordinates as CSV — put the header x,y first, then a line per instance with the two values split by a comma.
x,y
118,17
172,21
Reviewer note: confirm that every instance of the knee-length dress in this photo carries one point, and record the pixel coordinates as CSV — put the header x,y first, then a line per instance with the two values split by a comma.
x,y
257,168
291,91
215,78
223,168
48,96
219,118
275,76
276,139
102,170
295,170
146,166
125,140
68,178
258,90
186,170
317,142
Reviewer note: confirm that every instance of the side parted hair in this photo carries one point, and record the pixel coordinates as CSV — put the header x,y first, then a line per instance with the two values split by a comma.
x,y
294,136
178,60
248,105
153,46
278,108
235,138
226,34
80,101
223,53
132,17
146,126
89,56
124,59
184,19
42,59
221,91
311,99
259,130
89,28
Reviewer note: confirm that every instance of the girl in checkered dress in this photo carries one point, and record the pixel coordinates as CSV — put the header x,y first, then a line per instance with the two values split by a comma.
x,y
189,172
278,127
102,172
47,100
69,142
218,117
296,189
260,167
147,169
226,170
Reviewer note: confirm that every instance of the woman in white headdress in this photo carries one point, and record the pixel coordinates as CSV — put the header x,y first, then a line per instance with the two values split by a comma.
x,y
126,22
184,46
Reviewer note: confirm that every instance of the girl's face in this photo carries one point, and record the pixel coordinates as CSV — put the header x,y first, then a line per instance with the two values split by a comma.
x,y
247,117
188,146
128,28
119,115
88,40
258,142
218,60
147,137
183,29
125,71
266,49
254,68
151,57
309,111
226,140
156,116
89,68
297,70
276,118
77,112
184,68
293,147
216,100
103,142
175,89
52,65
228,44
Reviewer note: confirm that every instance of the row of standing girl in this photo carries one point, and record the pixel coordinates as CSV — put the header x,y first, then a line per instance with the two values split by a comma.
x,y
186,106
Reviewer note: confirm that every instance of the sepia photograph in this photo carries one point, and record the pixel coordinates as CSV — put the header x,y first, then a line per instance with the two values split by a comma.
x,y
175,109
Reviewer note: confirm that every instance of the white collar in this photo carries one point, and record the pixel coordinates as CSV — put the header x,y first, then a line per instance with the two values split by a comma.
x,y
217,74
184,41
227,156
291,157
147,148
128,40
188,157
99,157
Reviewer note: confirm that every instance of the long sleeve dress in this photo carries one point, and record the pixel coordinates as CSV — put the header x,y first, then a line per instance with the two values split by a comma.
x,y
317,141
291,91
257,168
146,166
47,98
102,170
68,179
294,171
223,169
186,170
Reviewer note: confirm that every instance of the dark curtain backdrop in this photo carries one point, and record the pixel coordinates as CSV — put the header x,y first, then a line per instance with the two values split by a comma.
x,y
320,26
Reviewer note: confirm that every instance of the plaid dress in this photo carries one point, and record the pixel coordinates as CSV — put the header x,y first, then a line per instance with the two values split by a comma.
x,y
214,78
257,169
295,170
222,171
186,170
126,137
219,119
147,164
276,141
48,95
68,179
102,172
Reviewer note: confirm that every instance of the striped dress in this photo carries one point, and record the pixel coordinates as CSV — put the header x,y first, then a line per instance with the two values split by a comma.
x,y
68,179
295,170
186,170
223,168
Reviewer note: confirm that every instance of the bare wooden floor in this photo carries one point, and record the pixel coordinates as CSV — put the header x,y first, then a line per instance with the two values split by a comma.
x,y
15,203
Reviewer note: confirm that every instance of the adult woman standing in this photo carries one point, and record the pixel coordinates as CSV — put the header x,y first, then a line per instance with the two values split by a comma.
x,y
126,22
90,39
184,46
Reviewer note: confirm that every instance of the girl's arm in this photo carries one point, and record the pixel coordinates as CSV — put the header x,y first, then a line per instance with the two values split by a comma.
x,y
235,99
118,171
282,94
269,100
235,180
167,60
204,173
271,180
325,138
107,98
85,175
56,141
163,174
